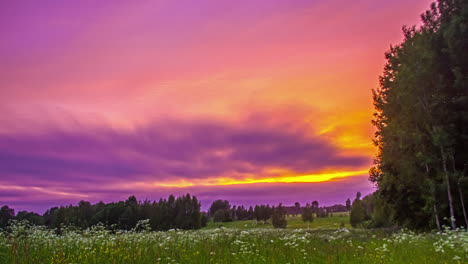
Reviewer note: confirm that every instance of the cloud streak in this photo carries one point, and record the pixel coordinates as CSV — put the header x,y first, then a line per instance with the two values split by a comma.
x,y
168,151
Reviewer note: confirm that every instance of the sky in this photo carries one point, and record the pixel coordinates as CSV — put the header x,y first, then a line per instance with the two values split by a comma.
x,y
249,101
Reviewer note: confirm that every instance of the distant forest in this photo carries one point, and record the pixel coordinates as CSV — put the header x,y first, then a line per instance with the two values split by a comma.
x,y
182,212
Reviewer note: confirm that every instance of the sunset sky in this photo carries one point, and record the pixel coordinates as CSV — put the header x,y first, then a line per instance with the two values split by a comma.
x,y
250,101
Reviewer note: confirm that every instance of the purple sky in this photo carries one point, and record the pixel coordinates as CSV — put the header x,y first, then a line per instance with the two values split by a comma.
x,y
250,101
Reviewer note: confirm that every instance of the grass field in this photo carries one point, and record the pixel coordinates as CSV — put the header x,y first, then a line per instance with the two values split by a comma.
x,y
324,244
336,221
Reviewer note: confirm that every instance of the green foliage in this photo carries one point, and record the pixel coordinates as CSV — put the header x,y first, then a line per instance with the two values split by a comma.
x,y
221,211
348,205
31,217
380,217
219,205
358,212
322,212
181,213
222,215
243,214
263,212
307,214
279,217
6,214
203,219
421,120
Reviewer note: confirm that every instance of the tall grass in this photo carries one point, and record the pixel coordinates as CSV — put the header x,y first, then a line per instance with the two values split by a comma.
x,y
26,244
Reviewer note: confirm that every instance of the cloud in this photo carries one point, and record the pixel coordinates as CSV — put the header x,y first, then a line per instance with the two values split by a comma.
x,y
327,193
166,150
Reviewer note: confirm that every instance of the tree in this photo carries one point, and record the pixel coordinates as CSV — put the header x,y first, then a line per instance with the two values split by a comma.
x,y
421,120
250,213
297,208
321,212
182,212
187,212
219,205
6,214
357,215
307,214
279,217
234,213
263,212
85,213
31,217
241,213
203,219
222,216
380,217
348,204
315,207
257,213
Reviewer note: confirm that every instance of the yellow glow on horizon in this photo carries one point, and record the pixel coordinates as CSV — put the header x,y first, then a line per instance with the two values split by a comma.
x,y
309,178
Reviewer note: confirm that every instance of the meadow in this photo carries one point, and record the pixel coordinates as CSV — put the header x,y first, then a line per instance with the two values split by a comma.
x,y
325,242
335,221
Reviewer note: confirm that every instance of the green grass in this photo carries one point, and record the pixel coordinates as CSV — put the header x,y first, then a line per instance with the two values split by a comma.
x,y
231,245
294,222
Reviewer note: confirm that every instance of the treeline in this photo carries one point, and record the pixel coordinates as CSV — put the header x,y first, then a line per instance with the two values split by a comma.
x,y
179,213
421,119
323,211
172,213
222,211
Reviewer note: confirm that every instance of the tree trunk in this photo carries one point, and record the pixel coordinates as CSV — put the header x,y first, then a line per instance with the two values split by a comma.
x,y
437,218
449,193
436,214
462,204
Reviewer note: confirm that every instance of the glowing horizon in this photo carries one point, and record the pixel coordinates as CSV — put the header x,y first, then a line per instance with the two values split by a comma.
x,y
310,178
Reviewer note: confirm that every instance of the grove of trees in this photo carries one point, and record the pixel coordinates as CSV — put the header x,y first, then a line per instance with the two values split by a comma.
x,y
421,117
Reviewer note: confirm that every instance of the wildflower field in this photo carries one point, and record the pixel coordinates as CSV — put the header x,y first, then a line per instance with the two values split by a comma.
x,y
32,244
